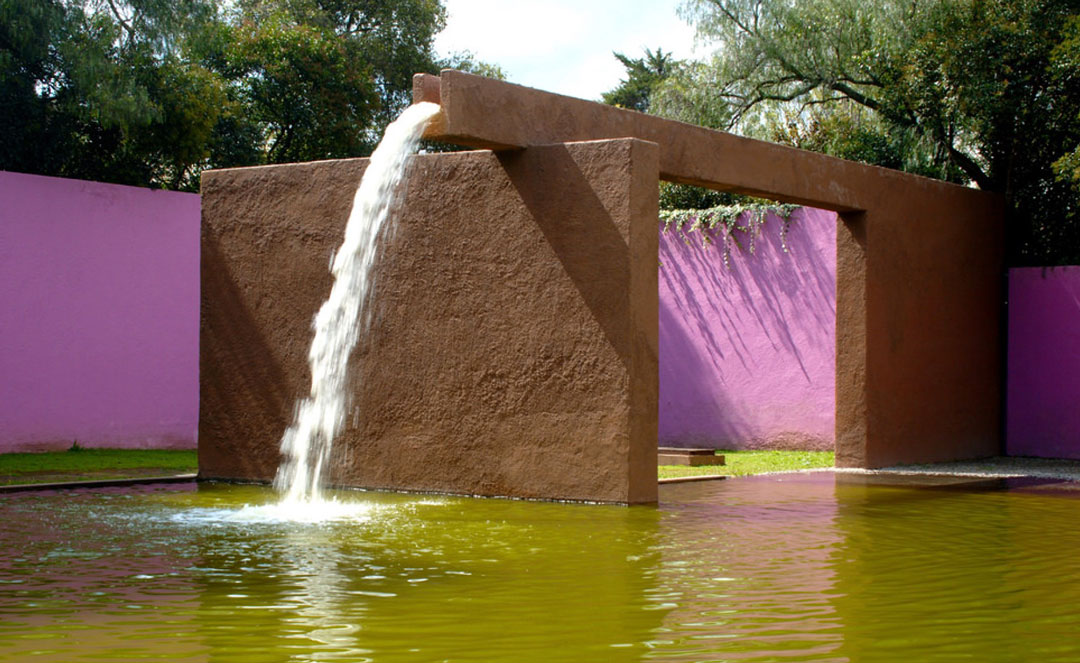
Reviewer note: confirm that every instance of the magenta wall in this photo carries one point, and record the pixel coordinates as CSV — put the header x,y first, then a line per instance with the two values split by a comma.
x,y
747,351
1043,384
99,315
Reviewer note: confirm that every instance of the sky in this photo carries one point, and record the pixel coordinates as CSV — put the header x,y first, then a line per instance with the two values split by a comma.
x,y
563,46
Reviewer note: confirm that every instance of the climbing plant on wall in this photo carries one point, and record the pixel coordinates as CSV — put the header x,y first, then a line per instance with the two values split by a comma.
x,y
730,224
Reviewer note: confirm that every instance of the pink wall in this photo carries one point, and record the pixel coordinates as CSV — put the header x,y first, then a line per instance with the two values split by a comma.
x,y
99,315
747,351
1043,384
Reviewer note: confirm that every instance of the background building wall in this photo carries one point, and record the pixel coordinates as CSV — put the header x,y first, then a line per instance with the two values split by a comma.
x,y
1043,390
99,315
99,324
747,349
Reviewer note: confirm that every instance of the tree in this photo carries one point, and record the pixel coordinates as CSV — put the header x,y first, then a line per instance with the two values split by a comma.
x,y
323,77
979,91
150,92
1066,62
28,73
102,90
643,75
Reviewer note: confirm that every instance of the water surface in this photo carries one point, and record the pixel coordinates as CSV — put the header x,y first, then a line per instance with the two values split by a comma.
x,y
798,568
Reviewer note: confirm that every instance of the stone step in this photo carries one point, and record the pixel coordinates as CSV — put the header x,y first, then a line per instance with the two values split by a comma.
x,y
692,457
686,452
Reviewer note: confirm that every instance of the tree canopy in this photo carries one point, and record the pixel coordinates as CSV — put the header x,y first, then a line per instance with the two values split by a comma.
x,y
643,75
985,92
150,92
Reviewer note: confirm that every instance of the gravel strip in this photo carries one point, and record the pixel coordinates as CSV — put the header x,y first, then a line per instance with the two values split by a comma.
x,y
990,468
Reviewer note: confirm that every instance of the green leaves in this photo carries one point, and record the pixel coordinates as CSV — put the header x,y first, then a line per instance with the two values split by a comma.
x,y
309,91
730,223
973,91
1065,71
643,75
150,92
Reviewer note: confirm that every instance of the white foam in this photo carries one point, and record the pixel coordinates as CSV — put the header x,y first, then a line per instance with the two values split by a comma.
x,y
342,319
283,511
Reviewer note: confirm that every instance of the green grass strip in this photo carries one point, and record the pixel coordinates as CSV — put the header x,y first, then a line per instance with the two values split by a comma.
x,y
86,464
743,463
81,464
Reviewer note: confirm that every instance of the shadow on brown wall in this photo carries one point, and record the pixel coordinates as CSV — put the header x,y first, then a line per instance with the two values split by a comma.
x,y
237,370
577,233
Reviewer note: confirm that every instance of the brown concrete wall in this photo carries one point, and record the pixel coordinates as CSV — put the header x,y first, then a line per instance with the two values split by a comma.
x,y
932,275
513,347
919,262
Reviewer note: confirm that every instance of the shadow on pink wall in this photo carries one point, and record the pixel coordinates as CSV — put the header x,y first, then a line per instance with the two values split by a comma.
x,y
99,315
747,349
1042,413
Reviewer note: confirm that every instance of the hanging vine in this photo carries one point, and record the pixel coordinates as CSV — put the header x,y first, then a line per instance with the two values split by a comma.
x,y
724,221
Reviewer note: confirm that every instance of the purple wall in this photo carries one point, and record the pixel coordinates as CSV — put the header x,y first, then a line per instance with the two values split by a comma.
x,y
99,315
1043,386
747,351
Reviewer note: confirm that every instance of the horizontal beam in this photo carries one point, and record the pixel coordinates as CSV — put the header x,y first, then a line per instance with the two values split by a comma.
x,y
489,114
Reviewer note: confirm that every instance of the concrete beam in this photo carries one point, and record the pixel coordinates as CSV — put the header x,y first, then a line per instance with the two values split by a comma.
x,y
489,114
919,261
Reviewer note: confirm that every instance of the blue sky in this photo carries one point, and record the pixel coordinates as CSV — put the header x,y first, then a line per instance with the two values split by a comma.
x,y
563,46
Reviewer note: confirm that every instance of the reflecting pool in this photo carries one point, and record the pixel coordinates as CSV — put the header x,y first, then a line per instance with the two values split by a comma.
x,y
794,567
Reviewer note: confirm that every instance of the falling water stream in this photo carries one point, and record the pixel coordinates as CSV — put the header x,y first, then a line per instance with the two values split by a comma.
x,y
341,319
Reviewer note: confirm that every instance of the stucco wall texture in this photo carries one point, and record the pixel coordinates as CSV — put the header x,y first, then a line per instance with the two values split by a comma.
x,y
747,349
1043,417
512,349
99,317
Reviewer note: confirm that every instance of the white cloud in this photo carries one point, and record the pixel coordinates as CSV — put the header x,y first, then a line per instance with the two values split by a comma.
x,y
564,46
509,30
596,74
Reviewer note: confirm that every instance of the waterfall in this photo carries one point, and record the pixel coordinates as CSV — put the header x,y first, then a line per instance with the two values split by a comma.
x,y
320,417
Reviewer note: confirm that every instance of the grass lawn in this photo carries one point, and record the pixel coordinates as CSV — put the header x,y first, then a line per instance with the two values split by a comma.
x,y
89,464
742,463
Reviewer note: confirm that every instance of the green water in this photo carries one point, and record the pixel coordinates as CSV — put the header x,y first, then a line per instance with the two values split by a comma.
x,y
806,568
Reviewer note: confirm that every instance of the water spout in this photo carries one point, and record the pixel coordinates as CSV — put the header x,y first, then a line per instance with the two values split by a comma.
x,y
320,417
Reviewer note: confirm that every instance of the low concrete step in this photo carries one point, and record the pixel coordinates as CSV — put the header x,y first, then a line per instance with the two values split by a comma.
x,y
692,457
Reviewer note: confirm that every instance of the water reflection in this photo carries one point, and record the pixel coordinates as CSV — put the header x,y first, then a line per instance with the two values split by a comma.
x,y
747,571
958,571
800,568
434,579
81,575
849,568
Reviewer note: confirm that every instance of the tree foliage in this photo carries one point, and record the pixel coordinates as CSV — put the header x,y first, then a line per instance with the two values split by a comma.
x,y
150,92
100,89
973,91
643,75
